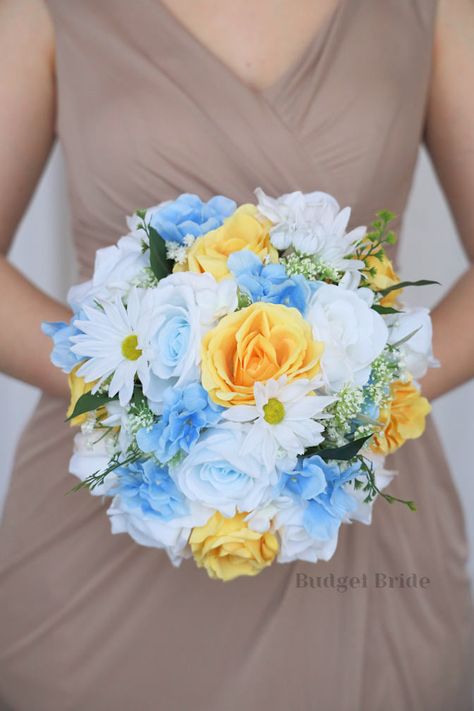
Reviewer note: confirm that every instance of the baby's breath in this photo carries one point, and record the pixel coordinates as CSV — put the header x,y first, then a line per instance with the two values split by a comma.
x,y
176,252
385,369
139,416
145,279
310,267
344,410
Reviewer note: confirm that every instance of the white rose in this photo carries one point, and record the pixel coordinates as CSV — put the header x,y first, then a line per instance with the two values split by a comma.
x,y
353,334
215,473
181,309
172,535
295,541
417,350
114,271
383,477
92,453
261,519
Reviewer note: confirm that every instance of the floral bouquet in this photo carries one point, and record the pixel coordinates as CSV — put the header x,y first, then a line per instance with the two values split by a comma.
x,y
238,374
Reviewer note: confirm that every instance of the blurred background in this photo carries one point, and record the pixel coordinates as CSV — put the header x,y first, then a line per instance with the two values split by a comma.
x,y
43,251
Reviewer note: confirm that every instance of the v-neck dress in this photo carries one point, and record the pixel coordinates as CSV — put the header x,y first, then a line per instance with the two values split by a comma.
x,y
90,621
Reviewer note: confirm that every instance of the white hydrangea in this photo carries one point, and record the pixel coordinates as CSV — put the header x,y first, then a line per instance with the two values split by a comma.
x,y
313,224
415,326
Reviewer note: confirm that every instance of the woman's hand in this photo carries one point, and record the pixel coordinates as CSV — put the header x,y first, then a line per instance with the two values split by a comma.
x,y
450,141
27,108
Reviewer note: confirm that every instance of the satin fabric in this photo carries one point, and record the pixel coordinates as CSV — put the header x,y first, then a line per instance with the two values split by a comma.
x,y
92,621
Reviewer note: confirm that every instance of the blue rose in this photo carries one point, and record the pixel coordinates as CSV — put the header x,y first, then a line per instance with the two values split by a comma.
x,y
216,475
146,488
189,215
269,282
185,414
60,332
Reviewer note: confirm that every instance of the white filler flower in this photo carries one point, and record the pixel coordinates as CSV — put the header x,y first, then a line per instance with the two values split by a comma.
x,y
285,420
112,343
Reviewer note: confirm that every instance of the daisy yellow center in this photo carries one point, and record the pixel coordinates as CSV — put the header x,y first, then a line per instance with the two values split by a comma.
x,y
130,349
273,411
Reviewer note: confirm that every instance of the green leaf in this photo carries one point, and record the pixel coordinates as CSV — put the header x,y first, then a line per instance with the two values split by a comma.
x,y
386,215
138,398
386,309
405,339
243,299
141,214
89,402
344,453
160,264
98,477
403,284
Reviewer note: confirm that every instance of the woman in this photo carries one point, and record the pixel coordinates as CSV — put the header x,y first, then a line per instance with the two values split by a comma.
x,y
151,99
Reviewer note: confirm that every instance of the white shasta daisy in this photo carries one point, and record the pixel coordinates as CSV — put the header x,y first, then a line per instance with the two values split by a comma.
x,y
112,343
285,420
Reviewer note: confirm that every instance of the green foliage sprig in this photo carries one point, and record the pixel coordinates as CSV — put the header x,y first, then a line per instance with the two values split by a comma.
x,y
160,265
370,488
98,477
378,235
88,403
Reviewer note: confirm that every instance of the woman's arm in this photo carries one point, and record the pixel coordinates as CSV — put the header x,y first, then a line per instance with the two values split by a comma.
x,y
27,106
450,141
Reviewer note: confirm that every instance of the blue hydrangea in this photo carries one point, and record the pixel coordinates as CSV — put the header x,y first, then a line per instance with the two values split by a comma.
x,y
307,481
370,409
189,215
146,488
319,485
60,332
269,282
185,414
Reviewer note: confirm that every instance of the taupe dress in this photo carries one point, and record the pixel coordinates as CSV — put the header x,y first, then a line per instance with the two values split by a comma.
x,y
92,622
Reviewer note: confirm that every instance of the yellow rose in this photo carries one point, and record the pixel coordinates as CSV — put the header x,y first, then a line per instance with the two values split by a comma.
x,y
242,230
78,387
403,419
385,276
227,547
255,344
